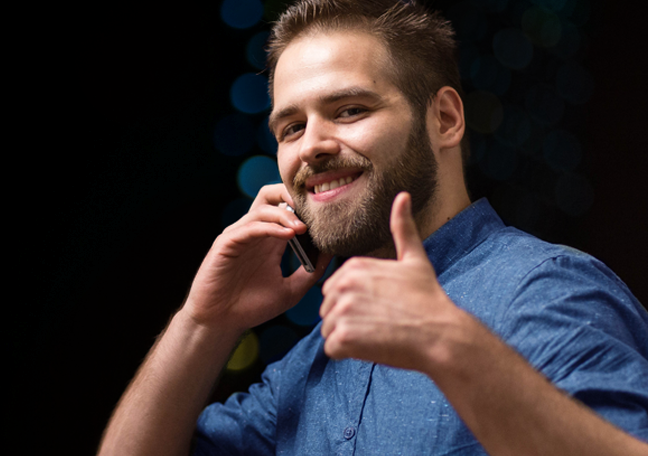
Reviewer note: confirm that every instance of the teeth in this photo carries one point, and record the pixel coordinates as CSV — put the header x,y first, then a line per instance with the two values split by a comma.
x,y
333,184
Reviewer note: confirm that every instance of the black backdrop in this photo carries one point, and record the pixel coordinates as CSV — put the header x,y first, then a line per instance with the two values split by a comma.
x,y
123,197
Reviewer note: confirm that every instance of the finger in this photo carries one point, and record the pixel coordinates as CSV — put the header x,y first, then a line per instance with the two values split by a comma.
x,y
272,195
272,214
403,227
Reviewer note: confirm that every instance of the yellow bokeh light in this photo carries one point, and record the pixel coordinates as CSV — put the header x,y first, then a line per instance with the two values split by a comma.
x,y
245,354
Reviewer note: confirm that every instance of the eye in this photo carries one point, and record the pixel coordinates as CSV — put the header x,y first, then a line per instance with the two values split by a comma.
x,y
292,129
352,111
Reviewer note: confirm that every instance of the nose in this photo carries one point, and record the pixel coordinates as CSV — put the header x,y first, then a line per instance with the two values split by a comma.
x,y
318,142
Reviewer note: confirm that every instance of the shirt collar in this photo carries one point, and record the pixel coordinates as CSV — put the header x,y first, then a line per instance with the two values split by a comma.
x,y
461,234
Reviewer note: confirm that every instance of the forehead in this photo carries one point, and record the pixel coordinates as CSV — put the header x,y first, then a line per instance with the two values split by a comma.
x,y
316,64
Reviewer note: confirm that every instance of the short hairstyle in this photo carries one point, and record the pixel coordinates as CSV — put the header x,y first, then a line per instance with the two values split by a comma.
x,y
420,43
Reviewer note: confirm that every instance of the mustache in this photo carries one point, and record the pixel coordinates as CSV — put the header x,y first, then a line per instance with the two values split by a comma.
x,y
332,164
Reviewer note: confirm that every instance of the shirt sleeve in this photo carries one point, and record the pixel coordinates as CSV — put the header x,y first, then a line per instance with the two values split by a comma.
x,y
578,324
245,424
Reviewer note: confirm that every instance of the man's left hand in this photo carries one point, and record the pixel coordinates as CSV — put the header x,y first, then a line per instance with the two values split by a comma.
x,y
391,312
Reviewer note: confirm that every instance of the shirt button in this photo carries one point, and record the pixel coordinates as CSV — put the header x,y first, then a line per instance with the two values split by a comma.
x,y
349,432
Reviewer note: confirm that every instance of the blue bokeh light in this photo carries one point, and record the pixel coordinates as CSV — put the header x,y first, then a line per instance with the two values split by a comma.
x,y
249,93
562,150
306,312
255,52
256,172
241,14
234,135
265,139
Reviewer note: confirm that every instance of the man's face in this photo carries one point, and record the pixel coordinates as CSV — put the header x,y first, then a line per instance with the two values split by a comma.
x,y
348,141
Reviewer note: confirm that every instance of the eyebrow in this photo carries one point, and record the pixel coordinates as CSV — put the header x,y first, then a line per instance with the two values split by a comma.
x,y
350,92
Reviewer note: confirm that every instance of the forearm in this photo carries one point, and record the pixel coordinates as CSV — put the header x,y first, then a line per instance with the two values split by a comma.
x,y
512,409
158,411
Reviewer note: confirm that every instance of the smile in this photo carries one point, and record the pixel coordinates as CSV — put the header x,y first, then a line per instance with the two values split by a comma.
x,y
333,184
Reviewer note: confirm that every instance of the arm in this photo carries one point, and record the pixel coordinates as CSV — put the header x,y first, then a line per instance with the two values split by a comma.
x,y
396,313
238,286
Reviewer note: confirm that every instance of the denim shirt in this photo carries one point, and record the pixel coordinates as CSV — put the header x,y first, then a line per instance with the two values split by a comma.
x,y
564,311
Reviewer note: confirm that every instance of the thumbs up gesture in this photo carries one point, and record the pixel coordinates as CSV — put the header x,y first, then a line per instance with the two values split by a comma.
x,y
388,311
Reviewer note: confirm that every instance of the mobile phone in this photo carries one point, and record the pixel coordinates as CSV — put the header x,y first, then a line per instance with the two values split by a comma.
x,y
305,250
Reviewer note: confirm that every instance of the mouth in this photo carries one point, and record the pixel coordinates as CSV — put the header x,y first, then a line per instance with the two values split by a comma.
x,y
329,181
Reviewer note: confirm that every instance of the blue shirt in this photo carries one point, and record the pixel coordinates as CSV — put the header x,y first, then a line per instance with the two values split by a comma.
x,y
563,310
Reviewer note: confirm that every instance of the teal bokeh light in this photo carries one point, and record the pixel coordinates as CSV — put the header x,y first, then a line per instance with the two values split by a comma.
x,y
306,312
256,172
255,52
241,14
249,93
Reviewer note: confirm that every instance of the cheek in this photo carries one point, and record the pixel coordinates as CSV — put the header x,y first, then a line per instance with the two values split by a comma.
x,y
287,168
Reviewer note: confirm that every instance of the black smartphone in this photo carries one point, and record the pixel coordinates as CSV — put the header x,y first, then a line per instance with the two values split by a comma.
x,y
302,245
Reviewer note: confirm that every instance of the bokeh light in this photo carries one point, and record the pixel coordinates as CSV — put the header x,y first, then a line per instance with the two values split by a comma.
x,y
256,172
249,93
515,128
542,26
499,162
234,135
245,354
265,139
306,312
255,50
241,14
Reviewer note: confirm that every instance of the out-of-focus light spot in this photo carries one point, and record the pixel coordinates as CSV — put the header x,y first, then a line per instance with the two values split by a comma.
x,y
483,111
499,163
574,194
515,128
562,150
265,139
275,342
234,210
256,172
542,26
249,93
574,83
512,48
543,104
245,354
306,312
234,135
255,51
241,14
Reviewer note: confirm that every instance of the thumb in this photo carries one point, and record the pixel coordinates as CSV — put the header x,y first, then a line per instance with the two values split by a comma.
x,y
403,228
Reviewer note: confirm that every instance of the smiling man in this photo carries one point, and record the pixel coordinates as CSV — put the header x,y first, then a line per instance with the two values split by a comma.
x,y
446,333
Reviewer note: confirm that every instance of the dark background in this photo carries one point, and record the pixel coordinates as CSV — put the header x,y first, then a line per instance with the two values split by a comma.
x,y
124,191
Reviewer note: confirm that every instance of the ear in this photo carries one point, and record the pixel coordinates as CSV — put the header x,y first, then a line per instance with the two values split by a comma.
x,y
445,117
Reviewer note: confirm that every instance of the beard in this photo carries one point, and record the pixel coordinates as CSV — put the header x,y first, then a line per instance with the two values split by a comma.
x,y
361,226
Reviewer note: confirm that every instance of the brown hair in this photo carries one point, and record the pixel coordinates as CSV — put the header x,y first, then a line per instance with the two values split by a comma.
x,y
420,43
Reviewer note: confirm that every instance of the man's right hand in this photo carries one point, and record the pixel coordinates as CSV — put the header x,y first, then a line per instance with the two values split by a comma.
x,y
240,283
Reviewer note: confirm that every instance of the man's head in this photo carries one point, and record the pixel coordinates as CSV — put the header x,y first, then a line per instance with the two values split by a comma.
x,y
422,52
346,115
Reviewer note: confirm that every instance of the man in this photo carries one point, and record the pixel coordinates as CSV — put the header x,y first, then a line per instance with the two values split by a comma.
x,y
409,357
